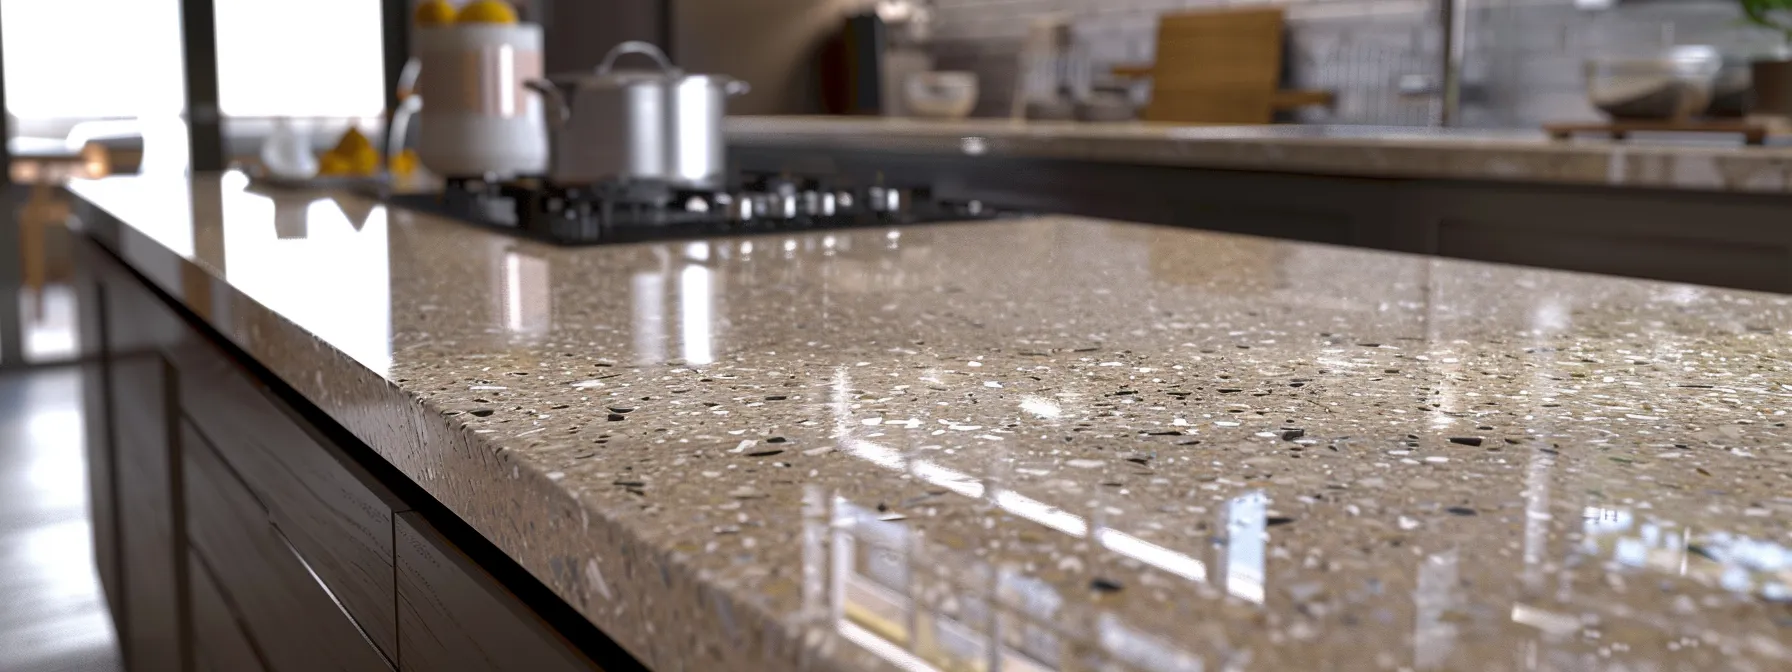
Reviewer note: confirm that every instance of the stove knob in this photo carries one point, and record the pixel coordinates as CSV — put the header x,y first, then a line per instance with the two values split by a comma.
x,y
885,199
786,206
844,200
741,209
818,203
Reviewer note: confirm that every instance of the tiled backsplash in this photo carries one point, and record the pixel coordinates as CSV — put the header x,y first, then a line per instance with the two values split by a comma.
x,y
1523,63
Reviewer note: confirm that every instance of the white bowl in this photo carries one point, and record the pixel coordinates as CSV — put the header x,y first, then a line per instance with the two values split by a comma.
x,y
941,95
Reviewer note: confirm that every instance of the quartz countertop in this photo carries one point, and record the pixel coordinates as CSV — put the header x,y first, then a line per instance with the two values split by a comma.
x,y
1113,446
1675,161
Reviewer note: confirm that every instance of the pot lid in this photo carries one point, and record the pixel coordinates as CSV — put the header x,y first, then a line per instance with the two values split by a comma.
x,y
607,75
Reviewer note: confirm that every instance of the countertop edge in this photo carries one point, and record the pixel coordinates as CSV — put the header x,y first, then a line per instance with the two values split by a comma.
x,y
610,575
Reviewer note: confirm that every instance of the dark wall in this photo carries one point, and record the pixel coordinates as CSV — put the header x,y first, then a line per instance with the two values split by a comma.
x,y
580,32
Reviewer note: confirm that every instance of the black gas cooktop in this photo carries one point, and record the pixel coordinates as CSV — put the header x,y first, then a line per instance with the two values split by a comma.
x,y
605,214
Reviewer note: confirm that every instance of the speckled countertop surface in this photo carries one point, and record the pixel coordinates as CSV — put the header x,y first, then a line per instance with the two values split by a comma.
x,y
1677,161
1115,447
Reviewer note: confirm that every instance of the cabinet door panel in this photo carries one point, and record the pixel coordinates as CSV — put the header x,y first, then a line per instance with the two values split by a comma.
x,y
219,642
454,616
294,619
150,546
336,515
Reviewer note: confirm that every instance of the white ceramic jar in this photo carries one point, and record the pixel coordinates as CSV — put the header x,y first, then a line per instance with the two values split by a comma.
x,y
477,117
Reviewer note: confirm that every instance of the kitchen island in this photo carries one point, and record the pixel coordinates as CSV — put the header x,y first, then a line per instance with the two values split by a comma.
x,y
1704,210
1049,443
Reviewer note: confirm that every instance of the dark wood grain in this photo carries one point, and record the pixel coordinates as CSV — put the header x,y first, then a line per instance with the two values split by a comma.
x,y
454,616
219,642
284,609
101,480
140,393
149,539
332,511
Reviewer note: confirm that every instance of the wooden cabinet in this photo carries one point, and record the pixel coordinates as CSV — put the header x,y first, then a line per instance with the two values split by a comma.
x,y
331,510
220,644
454,616
296,622
232,535
151,550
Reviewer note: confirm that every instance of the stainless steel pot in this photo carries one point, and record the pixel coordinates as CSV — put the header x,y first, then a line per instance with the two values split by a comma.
x,y
661,126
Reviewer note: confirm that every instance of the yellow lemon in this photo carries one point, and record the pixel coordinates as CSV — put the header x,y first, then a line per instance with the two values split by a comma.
x,y
352,143
329,165
434,13
486,11
404,164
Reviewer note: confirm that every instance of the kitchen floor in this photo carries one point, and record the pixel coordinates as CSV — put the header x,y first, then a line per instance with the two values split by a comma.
x,y
54,618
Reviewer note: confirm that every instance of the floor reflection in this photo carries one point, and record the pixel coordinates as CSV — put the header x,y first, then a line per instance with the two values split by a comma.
x,y
924,607
55,619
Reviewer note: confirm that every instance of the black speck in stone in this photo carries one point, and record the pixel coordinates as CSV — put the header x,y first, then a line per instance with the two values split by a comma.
x,y
1273,521
621,409
1702,552
1139,460
617,417
1123,393
1297,384
1167,432
882,507
1292,434
776,397
1461,511
1466,440
584,456
1229,390
482,413
1195,442
629,484
1484,428
766,453
1102,585
777,439
1370,345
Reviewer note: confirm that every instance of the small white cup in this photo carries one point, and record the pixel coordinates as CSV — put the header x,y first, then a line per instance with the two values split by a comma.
x,y
477,116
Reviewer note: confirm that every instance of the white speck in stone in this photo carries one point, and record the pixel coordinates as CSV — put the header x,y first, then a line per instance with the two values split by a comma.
x,y
595,578
1408,460
1408,523
744,445
1179,422
973,363
1070,564
991,383
1437,459
1756,512
871,422
587,384
1266,435
1225,423
712,474
1085,464
488,387
1113,364
556,475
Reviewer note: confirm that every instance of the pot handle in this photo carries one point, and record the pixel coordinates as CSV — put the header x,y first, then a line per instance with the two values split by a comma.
x,y
636,47
735,87
557,111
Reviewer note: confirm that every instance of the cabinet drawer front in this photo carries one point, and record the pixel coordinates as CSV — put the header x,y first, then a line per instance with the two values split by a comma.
x,y
454,616
332,511
285,609
219,642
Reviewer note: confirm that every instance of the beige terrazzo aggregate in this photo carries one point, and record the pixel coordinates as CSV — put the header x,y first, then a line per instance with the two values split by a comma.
x,y
1117,446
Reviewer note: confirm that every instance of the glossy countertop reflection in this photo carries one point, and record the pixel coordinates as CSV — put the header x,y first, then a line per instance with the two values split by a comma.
x,y
1038,444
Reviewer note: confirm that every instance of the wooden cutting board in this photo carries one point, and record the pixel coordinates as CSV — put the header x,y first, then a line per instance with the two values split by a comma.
x,y
1218,66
